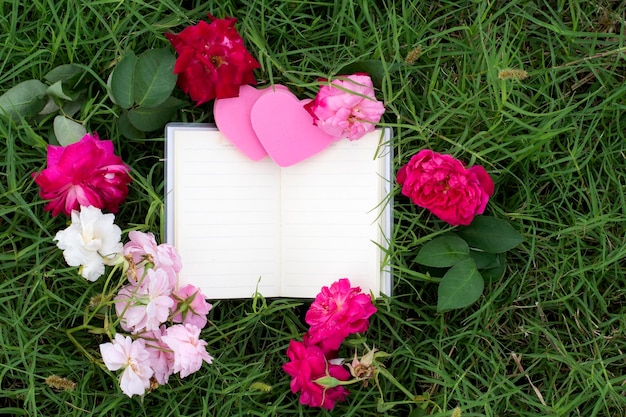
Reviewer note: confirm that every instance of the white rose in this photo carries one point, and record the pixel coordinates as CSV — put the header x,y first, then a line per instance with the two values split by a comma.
x,y
91,241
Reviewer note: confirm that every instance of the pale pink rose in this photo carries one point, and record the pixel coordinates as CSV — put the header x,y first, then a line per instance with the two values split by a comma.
x,y
441,184
337,312
189,350
142,247
132,357
161,358
85,173
190,306
347,107
147,306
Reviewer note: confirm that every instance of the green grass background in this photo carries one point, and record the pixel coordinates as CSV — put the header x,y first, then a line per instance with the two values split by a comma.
x,y
547,339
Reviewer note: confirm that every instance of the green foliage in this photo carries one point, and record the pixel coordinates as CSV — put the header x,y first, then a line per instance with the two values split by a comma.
x,y
154,77
460,286
142,86
146,118
34,100
26,99
442,252
122,81
68,131
68,73
548,336
374,68
491,235
477,247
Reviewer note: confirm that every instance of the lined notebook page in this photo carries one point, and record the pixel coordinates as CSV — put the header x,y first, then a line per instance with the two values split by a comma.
x,y
227,217
240,225
329,218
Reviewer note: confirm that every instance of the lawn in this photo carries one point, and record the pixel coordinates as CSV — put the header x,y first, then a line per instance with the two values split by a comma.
x,y
534,91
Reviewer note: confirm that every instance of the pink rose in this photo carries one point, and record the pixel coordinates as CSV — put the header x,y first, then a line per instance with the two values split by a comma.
x,y
85,173
441,184
146,306
190,306
308,364
131,356
212,60
189,350
161,358
347,107
338,312
143,249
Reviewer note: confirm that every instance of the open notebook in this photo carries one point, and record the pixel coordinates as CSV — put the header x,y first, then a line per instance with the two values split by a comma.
x,y
242,226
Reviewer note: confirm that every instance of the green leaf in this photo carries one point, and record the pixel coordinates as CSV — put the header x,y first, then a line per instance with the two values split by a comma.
x,y
49,108
71,108
62,73
496,271
148,119
374,68
491,235
122,81
23,100
56,90
68,131
461,286
154,77
418,412
484,259
443,251
127,129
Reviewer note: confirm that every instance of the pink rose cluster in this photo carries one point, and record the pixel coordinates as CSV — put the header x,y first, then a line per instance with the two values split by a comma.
x,y
444,186
347,107
154,356
337,312
85,173
145,306
80,180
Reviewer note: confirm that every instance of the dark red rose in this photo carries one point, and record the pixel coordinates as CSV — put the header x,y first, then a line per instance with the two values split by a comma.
x,y
212,60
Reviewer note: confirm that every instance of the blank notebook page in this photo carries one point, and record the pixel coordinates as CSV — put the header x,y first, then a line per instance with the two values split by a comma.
x,y
227,214
329,211
240,225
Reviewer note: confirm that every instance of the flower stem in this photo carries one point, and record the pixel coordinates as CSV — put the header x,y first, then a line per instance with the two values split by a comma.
x,y
104,301
419,399
394,381
69,333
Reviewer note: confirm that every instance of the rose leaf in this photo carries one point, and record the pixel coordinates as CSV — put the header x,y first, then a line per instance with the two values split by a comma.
x,y
443,251
122,81
461,286
154,77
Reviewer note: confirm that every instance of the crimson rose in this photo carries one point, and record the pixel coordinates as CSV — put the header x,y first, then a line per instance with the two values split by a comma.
x,y
337,312
212,60
441,184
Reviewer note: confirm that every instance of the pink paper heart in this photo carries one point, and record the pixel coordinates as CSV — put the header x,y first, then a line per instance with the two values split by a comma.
x,y
232,117
286,129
